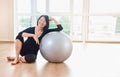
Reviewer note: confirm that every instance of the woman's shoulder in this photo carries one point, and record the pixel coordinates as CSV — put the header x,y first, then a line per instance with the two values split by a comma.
x,y
32,27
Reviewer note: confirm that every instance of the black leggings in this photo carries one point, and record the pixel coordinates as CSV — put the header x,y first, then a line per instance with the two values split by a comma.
x,y
28,47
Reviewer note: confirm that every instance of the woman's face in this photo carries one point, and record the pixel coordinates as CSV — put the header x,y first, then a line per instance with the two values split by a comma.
x,y
42,22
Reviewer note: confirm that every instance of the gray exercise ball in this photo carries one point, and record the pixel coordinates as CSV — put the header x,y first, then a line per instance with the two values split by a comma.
x,y
56,47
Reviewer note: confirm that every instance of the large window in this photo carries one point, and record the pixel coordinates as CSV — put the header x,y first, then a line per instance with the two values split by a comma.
x,y
82,20
105,28
41,6
67,12
23,6
104,20
104,6
59,6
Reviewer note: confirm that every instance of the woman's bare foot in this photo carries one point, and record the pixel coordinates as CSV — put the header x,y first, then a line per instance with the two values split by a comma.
x,y
10,58
22,59
16,61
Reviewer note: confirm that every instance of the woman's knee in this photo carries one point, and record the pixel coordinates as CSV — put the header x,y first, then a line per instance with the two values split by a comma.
x,y
30,58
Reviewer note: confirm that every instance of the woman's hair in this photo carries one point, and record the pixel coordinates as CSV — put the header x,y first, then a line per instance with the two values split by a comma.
x,y
47,21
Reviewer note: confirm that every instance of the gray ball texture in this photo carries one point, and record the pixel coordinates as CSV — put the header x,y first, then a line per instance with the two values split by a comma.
x,y
56,47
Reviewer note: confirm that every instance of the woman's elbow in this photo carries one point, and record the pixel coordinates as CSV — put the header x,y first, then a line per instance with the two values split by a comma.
x,y
60,27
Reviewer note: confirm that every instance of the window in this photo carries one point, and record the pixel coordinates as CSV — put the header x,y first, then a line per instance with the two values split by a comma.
x,y
41,6
77,6
27,16
83,20
24,22
104,6
59,6
104,20
23,6
105,28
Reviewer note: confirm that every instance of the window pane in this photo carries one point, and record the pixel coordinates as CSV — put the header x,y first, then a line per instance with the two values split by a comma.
x,y
105,28
59,5
23,22
24,6
104,6
77,28
77,6
41,6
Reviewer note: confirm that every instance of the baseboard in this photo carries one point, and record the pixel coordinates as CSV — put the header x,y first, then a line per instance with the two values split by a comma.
x,y
6,41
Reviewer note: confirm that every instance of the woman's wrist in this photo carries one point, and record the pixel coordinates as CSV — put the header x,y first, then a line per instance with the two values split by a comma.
x,y
24,34
34,35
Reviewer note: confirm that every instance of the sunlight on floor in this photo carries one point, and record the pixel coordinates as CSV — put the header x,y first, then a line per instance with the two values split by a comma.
x,y
86,60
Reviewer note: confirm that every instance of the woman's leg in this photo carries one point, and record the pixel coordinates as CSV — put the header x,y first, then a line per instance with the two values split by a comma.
x,y
18,46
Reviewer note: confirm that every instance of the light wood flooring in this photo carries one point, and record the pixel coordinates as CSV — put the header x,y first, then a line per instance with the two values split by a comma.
x,y
86,60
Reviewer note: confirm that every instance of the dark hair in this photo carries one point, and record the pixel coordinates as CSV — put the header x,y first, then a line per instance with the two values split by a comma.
x,y
30,58
47,21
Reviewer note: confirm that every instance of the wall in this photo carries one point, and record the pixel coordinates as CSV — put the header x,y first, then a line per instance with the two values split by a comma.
x,y
6,20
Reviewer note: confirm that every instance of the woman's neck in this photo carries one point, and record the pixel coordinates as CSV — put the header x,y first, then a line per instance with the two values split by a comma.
x,y
39,28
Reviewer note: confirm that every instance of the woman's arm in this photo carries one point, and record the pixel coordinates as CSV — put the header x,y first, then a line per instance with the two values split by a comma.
x,y
29,32
59,27
55,21
25,34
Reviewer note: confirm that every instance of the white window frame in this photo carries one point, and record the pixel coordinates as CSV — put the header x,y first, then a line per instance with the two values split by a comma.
x,y
85,16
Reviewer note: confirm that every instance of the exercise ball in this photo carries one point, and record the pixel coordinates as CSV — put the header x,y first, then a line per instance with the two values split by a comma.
x,y
56,47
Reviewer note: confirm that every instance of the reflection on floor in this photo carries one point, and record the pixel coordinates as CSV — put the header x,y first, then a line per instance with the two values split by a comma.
x,y
87,60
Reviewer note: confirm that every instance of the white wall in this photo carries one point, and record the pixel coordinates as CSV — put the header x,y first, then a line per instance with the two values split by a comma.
x,y
6,20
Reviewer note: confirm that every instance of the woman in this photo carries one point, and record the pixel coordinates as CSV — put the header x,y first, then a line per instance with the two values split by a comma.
x,y
28,49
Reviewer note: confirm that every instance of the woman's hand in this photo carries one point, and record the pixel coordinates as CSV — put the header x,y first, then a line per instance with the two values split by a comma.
x,y
36,39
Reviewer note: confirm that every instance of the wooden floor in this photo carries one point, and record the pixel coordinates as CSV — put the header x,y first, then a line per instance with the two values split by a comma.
x,y
87,60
